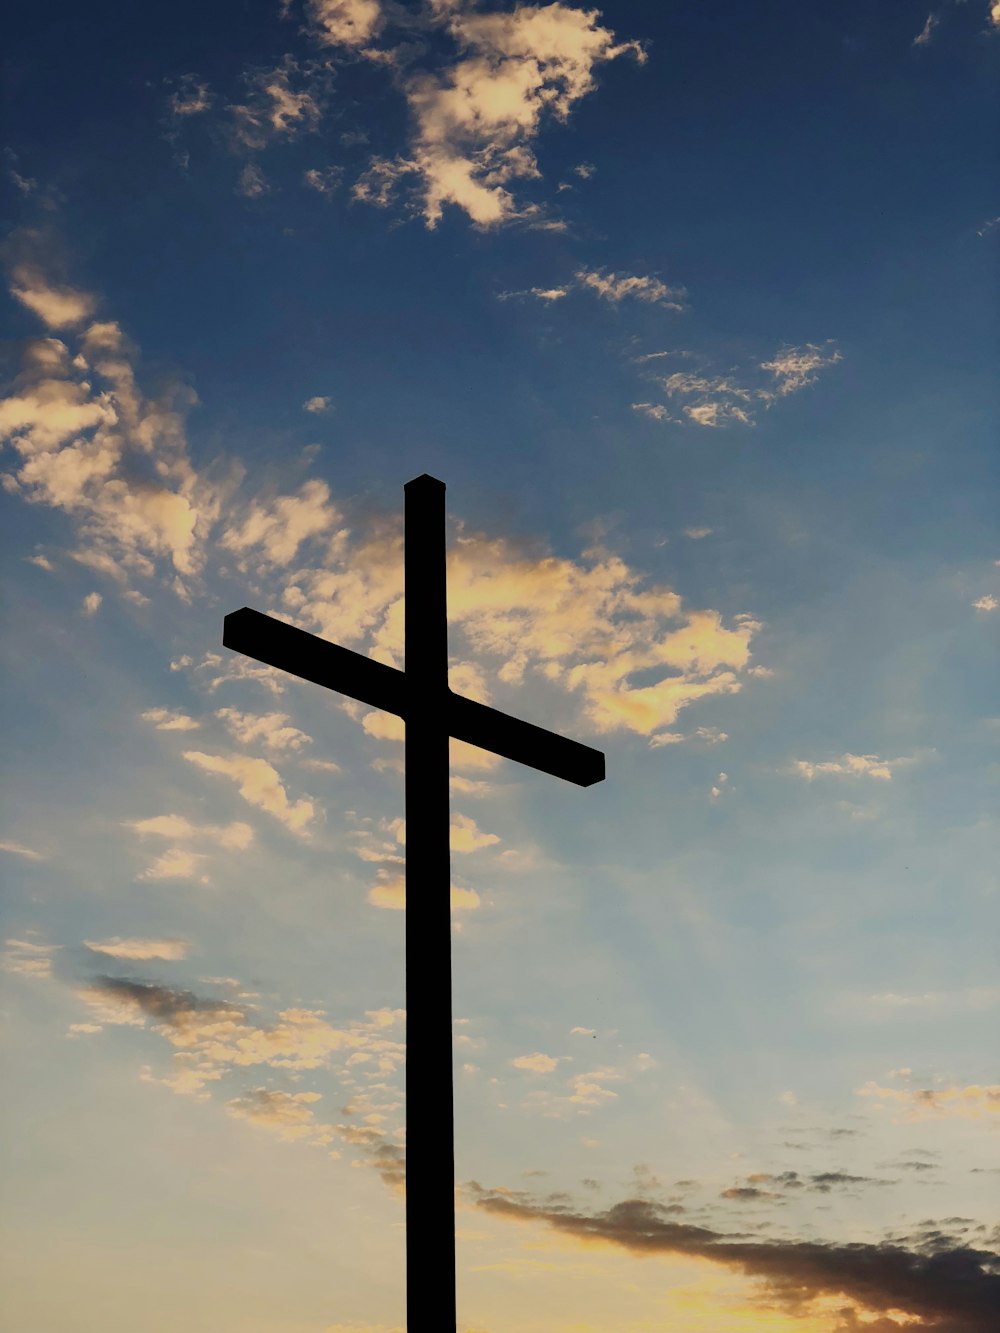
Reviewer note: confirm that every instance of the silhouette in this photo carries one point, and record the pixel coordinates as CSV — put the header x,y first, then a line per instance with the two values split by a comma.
x,y
432,713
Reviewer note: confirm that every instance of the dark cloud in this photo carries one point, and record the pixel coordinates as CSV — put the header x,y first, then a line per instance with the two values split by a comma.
x,y
947,1287
821,1182
162,1003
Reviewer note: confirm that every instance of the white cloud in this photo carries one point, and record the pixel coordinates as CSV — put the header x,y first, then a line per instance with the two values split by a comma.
x,y
259,784
351,23
91,444
987,603
168,719
276,109
269,729
169,950
176,863
995,13
713,400
850,765
588,626
536,1063
58,307
696,534
795,367
466,836
317,405
476,118
613,288
655,411
91,603
276,529
972,1102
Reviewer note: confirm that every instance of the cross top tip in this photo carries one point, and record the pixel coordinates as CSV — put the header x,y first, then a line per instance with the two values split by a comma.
x,y
424,482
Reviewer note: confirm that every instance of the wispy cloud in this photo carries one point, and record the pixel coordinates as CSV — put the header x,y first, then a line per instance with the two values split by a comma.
x,y
169,950
923,37
28,958
615,288
850,765
18,849
713,400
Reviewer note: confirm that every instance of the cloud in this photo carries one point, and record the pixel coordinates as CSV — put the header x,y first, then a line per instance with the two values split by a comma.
x,y
466,836
212,1038
923,37
588,626
17,849
850,765
235,836
269,729
714,400
259,784
537,1063
27,959
274,530
91,444
324,181
276,110
942,1286
287,1114
351,23
476,118
167,719
91,603
613,288
252,183
994,13
795,367
655,411
987,603
191,98
973,1102
170,950
317,405
176,863
57,306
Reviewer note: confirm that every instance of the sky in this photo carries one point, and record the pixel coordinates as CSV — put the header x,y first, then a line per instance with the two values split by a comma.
x,y
693,309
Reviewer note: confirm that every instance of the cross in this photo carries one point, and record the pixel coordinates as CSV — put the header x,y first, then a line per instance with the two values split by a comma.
x,y
432,714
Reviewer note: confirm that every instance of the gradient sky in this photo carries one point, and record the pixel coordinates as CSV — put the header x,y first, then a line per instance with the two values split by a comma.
x,y
693,308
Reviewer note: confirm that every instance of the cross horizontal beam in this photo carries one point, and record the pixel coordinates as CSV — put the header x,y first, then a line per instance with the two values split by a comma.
x,y
311,658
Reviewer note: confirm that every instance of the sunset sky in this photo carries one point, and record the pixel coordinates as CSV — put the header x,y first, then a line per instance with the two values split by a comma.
x,y
693,307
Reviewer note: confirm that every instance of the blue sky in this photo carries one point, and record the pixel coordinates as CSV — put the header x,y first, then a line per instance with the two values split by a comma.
x,y
693,308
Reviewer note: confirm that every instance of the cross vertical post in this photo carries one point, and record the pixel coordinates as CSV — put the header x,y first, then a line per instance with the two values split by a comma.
x,y
430,1163
432,714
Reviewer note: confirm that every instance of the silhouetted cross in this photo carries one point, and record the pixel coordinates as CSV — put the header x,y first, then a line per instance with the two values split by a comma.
x,y
432,713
